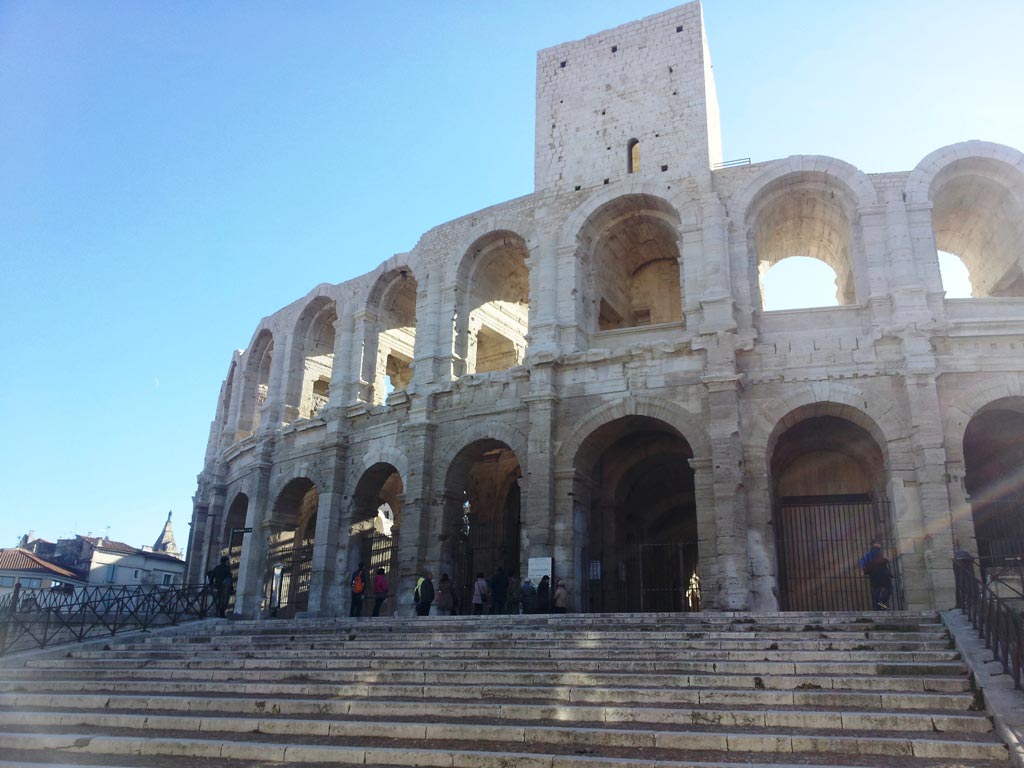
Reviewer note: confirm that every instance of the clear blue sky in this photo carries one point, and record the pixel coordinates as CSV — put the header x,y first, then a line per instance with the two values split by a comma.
x,y
171,172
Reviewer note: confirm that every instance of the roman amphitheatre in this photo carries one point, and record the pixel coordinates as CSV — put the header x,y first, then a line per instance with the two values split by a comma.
x,y
586,378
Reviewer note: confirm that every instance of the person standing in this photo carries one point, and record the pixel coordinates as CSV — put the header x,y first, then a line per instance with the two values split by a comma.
x,y
544,595
445,596
423,595
380,590
515,595
481,594
358,586
876,567
499,591
560,600
221,580
529,596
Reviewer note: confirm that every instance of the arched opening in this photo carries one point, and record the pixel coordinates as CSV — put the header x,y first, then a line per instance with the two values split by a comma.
x,y
630,254
956,278
994,463
633,156
978,215
374,530
290,554
312,359
828,486
809,219
797,282
391,335
256,390
481,516
232,537
493,317
635,491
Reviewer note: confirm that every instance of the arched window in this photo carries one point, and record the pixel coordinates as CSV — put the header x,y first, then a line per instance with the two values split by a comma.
x,y
633,156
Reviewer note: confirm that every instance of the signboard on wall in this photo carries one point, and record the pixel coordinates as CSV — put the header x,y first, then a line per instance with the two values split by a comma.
x,y
537,568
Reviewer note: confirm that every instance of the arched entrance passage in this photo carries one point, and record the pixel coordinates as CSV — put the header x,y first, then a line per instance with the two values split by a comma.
x,y
828,484
994,460
481,515
373,534
635,487
290,554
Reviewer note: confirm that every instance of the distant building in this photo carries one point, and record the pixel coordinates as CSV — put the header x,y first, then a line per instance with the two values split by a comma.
x,y
19,566
101,561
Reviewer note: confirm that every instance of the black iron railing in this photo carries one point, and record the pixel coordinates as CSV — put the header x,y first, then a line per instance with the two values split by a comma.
x,y
40,618
1001,627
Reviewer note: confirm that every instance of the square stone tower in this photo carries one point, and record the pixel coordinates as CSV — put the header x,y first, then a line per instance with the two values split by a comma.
x,y
637,99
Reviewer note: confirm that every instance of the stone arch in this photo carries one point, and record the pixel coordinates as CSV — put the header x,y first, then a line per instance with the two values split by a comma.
x,y
976,193
639,516
256,394
312,358
481,431
481,515
520,226
965,407
492,303
629,259
806,207
687,424
392,456
389,322
291,525
301,470
372,527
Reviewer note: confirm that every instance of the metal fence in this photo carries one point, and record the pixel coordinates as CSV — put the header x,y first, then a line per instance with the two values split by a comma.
x,y
1001,627
40,618
820,541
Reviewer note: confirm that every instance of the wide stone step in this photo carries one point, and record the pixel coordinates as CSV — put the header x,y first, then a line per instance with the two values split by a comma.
x,y
812,695
944,721
867,679
802,738
80,667
284,656
448,749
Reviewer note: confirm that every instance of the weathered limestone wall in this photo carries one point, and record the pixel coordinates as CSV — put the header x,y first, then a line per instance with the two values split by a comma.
x,y
896,362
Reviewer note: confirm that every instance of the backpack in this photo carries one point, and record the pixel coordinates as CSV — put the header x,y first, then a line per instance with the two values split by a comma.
x,y
357,583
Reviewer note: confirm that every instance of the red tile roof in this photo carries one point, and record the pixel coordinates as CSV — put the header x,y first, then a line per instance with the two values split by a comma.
x,y
19,559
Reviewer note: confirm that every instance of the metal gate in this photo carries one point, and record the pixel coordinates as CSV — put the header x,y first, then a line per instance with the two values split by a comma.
x,y
819,543
484,546
290,581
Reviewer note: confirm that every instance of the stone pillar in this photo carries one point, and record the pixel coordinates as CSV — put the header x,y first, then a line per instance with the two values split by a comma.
x,y
364,359
214,525
432,358
712,587
961,511
568,535
325,596
537,514
194,572
272,412
342,369
420,539
254,545
760,531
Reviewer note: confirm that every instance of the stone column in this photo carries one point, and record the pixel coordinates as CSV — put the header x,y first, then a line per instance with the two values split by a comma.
x,y
537,516
712,586
419,542
325,596
194,568
961,511
214,525
254,545
342,369
567,538
432,358
364,358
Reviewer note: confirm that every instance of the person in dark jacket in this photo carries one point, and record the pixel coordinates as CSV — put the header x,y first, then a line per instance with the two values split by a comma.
x,y
221,580
424,594
499,591
876,567
544,595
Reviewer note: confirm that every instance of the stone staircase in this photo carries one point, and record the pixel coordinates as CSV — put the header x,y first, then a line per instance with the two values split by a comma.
x,y
571,691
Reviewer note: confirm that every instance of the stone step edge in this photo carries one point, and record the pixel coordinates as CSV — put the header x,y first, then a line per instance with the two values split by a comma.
x,y
642,735
847,719
694,741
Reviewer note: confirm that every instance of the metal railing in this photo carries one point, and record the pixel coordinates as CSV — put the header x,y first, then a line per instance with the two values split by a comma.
x,y
32,618
1001,627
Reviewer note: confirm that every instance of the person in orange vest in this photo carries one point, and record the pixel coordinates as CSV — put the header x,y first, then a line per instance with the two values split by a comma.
x,y
358,587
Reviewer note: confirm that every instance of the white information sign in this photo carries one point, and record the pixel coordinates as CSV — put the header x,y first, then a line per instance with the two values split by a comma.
x,y
537,568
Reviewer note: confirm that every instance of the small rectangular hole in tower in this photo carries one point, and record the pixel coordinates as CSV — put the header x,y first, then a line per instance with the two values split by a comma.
x,y
679,28
664,168
562,65
615,48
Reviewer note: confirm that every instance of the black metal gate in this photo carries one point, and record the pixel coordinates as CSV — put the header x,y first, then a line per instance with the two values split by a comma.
x,y
485,545
819,543
290,577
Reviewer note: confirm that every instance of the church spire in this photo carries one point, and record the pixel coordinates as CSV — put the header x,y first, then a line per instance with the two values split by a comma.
x,y
165,542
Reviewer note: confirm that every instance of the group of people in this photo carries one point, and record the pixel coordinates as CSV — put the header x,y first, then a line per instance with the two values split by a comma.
x,y
503,594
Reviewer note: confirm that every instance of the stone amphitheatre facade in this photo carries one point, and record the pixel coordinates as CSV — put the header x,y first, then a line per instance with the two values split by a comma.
x,y
587,373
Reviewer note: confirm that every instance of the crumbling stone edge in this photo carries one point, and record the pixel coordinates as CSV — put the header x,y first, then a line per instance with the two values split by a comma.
x,y
1003,703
